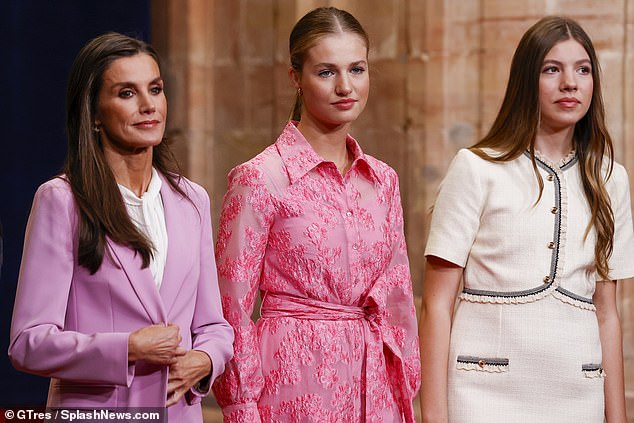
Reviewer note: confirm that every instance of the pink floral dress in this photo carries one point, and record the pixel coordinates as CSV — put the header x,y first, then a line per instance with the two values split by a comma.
x,y
337,337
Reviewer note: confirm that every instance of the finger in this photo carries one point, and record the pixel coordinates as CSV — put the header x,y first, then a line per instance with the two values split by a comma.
x,y
173,375
172,385
173,398
162,360
171,361
180,351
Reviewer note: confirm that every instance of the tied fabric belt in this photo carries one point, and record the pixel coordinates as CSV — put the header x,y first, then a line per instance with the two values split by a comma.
x,y
281,305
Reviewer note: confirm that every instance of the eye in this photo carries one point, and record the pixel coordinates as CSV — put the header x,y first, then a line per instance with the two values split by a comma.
x,y
126,93
357,70
156,90
550,69
325,73
585,70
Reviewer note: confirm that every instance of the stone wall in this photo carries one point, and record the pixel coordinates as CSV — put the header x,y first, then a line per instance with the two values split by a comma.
x,y
438,72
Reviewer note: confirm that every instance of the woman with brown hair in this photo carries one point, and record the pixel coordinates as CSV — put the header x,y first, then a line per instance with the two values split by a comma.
x,y
535,219
316,226
117,299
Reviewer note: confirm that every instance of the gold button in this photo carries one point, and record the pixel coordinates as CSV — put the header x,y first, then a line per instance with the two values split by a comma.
x,y
546,279
481,363
551,245
550,177
554,210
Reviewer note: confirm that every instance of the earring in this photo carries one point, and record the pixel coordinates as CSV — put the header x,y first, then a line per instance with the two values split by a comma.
x,y
299,92
96,129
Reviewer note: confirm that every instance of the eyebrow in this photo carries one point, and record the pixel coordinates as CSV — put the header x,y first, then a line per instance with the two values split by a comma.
x,y
557,62
130,83
332,65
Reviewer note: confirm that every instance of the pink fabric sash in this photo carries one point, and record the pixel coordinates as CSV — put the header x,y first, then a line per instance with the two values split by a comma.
x,y
282,305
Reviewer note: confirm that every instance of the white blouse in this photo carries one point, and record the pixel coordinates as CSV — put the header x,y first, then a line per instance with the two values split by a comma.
x,y
148,216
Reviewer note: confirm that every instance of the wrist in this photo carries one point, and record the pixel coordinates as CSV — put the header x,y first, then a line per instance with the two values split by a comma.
x,y
132,353
203,363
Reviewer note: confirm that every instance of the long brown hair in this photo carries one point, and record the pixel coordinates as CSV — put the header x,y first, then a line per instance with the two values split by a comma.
x,y
102,212
309,29
515,127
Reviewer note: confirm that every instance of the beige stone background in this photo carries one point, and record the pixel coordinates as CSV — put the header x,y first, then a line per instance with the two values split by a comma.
x,y
438,72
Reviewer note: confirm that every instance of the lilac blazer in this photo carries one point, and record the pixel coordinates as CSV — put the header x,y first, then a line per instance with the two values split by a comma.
x,y
73,326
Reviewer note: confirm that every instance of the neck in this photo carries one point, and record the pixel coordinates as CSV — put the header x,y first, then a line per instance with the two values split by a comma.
x,y
330,145
133,171
555,144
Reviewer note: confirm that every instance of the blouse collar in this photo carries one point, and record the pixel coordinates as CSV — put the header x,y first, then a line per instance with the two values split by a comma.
x,y
299,157
152,192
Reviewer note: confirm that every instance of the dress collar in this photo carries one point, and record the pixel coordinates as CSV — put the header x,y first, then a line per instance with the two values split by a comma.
x,y
563,164
560,163
299,157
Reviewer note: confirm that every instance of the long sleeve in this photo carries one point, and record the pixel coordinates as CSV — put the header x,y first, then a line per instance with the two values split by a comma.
x,y
39,344
399,312
240,249
211,333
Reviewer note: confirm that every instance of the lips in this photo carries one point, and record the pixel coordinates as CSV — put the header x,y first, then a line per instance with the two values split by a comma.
x,y
344,104
147,124
568,102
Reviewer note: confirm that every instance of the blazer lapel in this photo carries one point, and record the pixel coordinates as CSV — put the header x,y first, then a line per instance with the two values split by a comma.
x,y
141,281
178,212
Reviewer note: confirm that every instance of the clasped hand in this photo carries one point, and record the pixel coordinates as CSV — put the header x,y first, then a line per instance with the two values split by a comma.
x,y
160,344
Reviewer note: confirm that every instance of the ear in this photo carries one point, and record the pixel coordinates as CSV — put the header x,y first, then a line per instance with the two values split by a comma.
x,y
295,77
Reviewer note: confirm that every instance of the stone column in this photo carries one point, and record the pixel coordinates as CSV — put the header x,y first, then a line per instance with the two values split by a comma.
x,y
184,36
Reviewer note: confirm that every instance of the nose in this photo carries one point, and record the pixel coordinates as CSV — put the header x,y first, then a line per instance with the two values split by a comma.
x,y
343,87
146,104
568,81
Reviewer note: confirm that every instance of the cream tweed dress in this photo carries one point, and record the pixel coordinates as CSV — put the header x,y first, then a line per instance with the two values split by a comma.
x,y
524,340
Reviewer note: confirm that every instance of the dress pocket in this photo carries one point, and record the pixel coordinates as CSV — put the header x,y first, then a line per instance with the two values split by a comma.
x,y
482,364
592,371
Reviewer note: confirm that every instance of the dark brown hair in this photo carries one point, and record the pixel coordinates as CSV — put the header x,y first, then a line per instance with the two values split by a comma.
x,y
309,29
102,212
515,127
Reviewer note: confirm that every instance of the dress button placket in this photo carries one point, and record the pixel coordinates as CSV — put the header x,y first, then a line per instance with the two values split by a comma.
x,y
555,210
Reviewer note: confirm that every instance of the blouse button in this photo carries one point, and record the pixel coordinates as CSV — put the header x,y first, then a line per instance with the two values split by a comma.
x,y
550,177
481,363
551,245
546,279
355,246
554,210
349,213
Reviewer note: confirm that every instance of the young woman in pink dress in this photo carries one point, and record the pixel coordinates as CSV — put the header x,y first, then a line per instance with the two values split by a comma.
x,y
316,227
